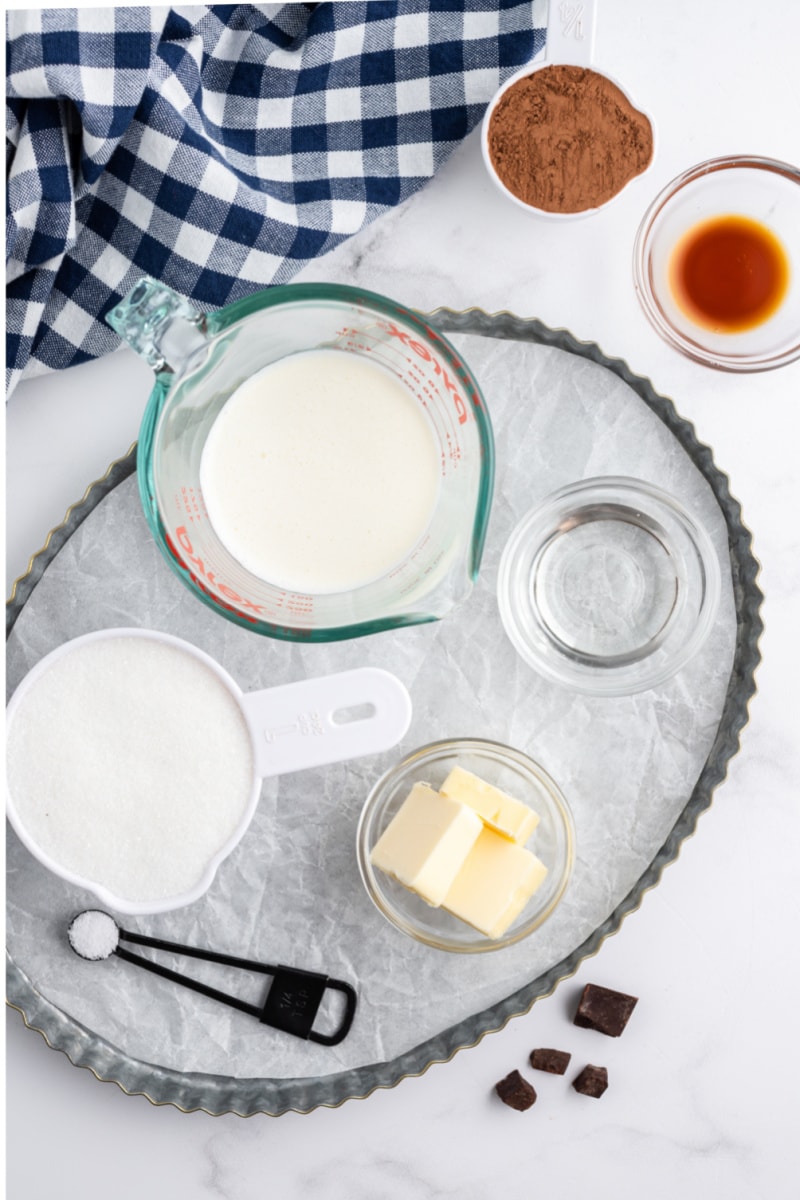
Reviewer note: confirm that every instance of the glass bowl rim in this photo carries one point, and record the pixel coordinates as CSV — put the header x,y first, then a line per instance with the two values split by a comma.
x,y
641,280
381,792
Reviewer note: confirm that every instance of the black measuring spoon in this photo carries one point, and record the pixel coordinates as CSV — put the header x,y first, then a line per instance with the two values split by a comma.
x,y
292,1001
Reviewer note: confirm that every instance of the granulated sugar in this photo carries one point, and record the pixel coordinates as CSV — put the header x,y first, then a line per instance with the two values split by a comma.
x,y
130,764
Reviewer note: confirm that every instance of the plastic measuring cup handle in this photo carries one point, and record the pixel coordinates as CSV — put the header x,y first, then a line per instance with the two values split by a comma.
x,y
570,32
326,720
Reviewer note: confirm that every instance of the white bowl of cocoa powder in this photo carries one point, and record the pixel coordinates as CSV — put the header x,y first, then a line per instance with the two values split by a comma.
x,y
563,140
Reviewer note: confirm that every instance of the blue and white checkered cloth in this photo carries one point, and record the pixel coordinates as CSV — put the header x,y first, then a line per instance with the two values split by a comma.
x,y
220,148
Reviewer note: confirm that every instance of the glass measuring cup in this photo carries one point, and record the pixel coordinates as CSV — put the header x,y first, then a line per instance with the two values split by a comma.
x,y
201,359
92,833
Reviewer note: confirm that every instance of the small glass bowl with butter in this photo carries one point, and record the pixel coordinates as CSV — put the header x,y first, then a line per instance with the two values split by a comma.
x,y
485,833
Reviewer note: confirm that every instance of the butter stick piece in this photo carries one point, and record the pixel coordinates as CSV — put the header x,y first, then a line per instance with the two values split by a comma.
x,y
500,811
427,841
495,883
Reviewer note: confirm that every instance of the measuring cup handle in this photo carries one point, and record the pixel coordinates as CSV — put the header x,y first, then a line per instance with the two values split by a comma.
x,y
325,720
159,325
570,32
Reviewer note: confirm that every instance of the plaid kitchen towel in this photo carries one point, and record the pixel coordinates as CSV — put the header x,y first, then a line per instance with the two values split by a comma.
x,y
219,148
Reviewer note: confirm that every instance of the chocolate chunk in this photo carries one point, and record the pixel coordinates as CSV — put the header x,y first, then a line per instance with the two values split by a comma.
x,y
554,1061
604,1010
516,1092
592,1081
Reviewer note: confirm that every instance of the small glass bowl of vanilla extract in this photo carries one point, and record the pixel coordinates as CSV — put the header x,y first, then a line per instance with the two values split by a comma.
x,y
717,263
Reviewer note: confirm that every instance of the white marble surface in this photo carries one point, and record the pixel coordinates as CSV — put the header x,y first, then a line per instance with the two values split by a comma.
x,y
704,1097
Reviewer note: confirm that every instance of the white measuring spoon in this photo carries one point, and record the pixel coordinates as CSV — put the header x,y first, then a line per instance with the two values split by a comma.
x,y
294,726
570,42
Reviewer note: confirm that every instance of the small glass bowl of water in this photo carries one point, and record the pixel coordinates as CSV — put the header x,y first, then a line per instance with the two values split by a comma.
x,y
609,586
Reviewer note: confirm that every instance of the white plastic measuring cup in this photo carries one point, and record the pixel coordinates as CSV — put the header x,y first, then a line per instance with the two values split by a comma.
x,y
570,42
291,727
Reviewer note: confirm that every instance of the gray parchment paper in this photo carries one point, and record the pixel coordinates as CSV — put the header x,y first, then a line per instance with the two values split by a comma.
x,y
291,892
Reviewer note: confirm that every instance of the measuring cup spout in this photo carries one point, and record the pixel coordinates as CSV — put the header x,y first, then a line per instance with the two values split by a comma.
x,y
160,325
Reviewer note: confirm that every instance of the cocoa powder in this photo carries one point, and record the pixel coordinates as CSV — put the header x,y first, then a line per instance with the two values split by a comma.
x,y
566,139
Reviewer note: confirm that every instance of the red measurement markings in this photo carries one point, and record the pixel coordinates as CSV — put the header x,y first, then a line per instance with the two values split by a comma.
x,y
189,503
205,579
424,353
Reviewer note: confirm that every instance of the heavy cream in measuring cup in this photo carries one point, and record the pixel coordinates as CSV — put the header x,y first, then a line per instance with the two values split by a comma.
x,y
321,472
